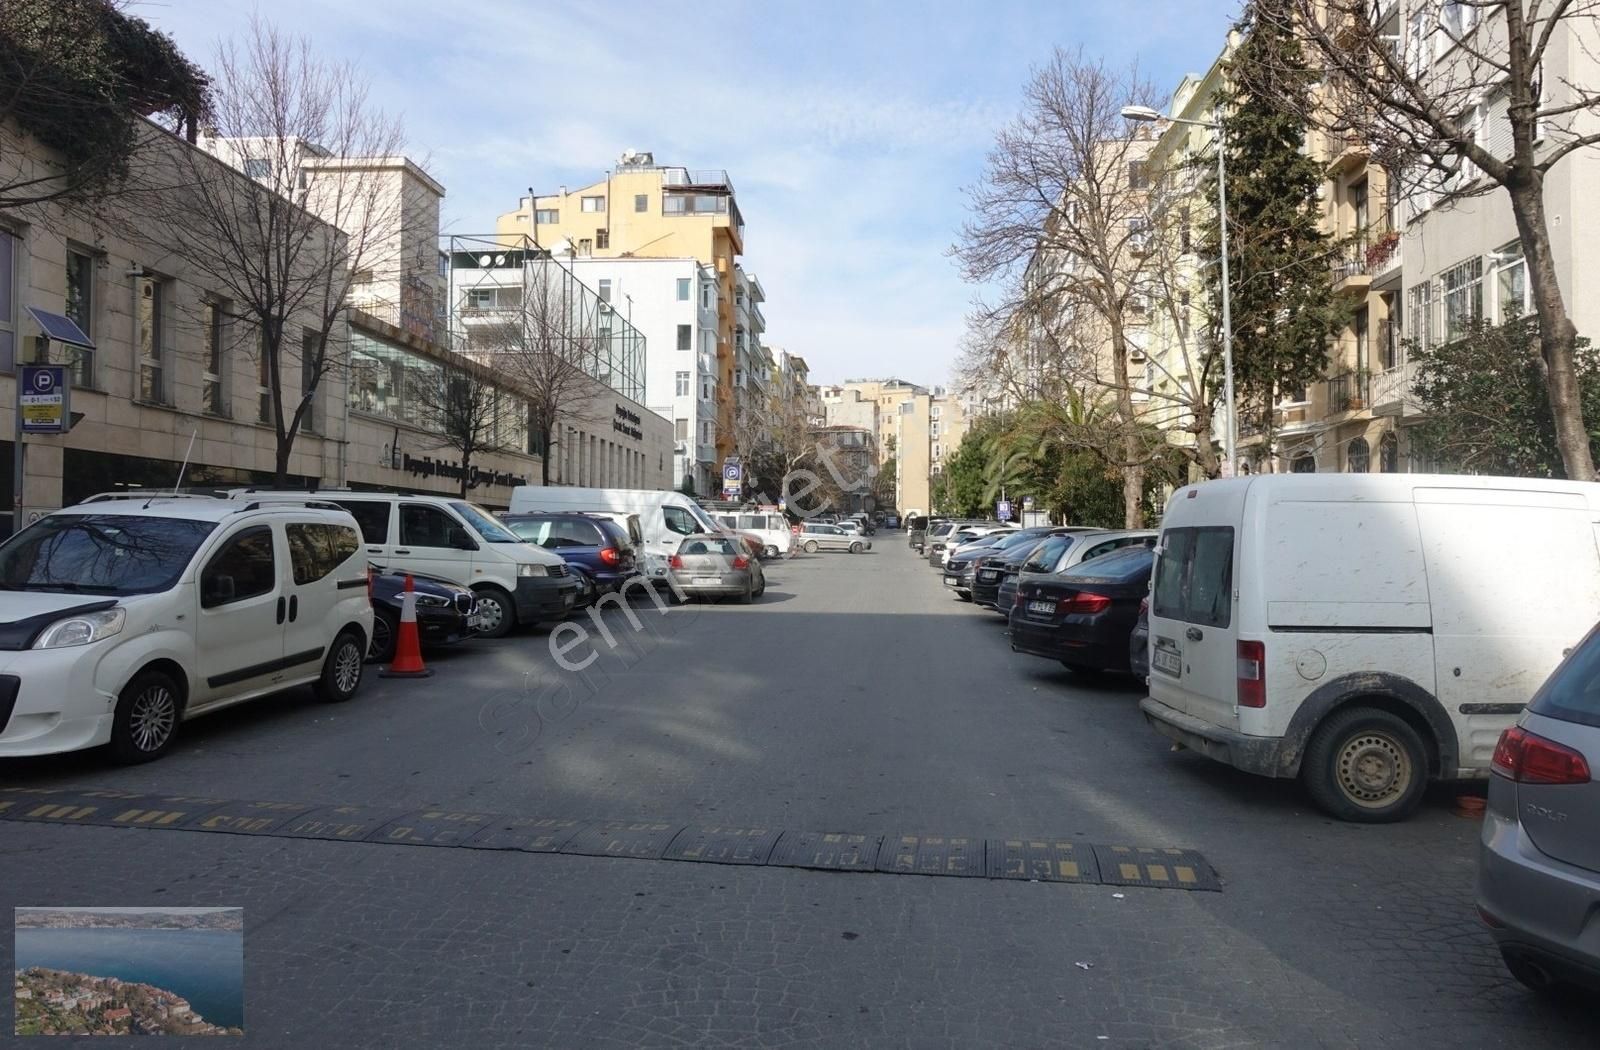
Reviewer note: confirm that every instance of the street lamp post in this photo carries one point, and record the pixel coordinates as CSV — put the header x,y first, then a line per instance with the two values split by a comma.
x,y
1230,434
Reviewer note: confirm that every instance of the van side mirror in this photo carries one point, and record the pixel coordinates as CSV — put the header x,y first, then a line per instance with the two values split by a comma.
x,y
459,540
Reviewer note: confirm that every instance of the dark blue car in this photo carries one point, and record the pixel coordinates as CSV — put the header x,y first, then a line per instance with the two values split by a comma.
x,y
597,550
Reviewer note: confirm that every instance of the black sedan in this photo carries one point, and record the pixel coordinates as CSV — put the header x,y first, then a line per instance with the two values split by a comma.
x,y
446,612
1084,616
987,570
958,570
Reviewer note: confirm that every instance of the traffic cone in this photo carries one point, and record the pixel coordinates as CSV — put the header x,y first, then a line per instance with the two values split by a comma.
x,y
407,662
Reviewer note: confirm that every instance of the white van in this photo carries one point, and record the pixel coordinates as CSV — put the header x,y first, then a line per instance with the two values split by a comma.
x,y
120,618
665,517
1365,632
772,526
516,582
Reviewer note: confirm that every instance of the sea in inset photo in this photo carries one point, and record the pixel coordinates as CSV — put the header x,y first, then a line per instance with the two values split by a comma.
x,y
129,971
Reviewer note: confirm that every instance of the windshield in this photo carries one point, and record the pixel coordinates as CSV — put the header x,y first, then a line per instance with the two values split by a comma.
x,y
1125,564
101,553
484,523
700,516
1043,557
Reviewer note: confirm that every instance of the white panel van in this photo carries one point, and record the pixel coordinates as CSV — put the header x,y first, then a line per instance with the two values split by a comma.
x,y
665,517
772,526
1365,632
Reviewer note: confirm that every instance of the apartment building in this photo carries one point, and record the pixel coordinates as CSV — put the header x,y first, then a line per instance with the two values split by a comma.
x,y
645,209
849,408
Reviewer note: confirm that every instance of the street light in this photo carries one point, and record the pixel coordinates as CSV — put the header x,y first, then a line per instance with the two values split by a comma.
x,y
1230,436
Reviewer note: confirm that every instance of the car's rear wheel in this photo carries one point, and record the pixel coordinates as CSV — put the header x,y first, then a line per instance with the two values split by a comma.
x,y
855,548
381,648
771,551
146,720
1367,766
341,670
496,613
811,547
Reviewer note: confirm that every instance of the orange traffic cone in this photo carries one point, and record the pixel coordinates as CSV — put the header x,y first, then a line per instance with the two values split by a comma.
x,y
407,662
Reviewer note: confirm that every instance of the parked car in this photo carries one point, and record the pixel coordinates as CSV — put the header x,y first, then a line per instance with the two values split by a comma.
x,y
1539,852
598,553
713,565
891,521
817,536
516,582
916,532
1364,684
664,517
770,526
1084,615
945,534
1041,556
122,618
851,525
446,612
987,564
1102,543
1139,642
960,566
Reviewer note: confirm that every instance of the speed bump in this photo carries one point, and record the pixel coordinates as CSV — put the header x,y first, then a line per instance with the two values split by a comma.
x,y
433,827
247,818
723,844
639,839
931,855
528,834
347,823
826,851
1041,860
1182,869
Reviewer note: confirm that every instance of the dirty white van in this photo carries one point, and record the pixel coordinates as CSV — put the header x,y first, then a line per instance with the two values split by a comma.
x,y
1366,633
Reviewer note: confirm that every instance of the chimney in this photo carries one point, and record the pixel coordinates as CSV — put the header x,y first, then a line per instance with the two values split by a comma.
x,y
563,191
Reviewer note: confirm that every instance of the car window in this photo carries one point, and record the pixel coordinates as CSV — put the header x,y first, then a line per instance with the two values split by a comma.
x,y
575,532
1194,578
484,523
680,521
753,521
101,553
531,530
1126,563
1044,557
318,548
243,568
372,516
422,525
1572,694
709,545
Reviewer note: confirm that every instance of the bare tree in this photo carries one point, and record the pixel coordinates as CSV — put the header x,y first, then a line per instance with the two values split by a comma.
x,y
467,413
1414,88
1062,214
284,241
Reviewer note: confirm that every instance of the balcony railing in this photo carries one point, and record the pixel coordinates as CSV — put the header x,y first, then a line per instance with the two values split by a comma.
x,y
1352,262
1347,392
710,178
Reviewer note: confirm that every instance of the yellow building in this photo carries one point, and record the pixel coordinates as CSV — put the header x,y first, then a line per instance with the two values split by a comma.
x,y
646,210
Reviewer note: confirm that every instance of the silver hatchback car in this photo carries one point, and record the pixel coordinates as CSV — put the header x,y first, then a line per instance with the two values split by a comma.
x,y
714,566
1539,855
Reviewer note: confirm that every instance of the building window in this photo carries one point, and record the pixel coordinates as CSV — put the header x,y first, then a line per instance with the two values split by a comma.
x,y
705,296
602,239
705,388
685,337
1138,175
593,204
933,412
682,388
680,428
641,202
1419,315
1303,464
1357,456
8,299
547,216
309,373
1358,204
937,453
683,289
705,342
213,389
1456,18
151,330
585,246
1389,453
604,289
1510,283
1461,290
257,168
264,411
80,307
1362,348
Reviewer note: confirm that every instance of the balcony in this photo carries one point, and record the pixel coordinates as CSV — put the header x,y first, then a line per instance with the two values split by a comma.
x,y
1347,392
706,453
1391,391
1350,273
1383,258
697,178
1348,152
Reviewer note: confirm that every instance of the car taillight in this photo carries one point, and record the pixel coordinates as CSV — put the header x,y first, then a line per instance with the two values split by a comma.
x,y
741,562
1083,602
1252,661
1529,758
675,562
610,556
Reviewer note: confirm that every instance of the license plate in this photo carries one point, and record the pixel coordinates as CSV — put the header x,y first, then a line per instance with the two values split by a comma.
x,y
1042,607
474,622
952,581
707,581
1167,661
989,574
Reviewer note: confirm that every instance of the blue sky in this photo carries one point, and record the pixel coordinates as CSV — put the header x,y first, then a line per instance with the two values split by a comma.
x,y
849,128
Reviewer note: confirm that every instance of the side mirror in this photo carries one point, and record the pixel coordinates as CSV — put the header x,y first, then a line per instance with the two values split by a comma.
x,y
459,540
218,590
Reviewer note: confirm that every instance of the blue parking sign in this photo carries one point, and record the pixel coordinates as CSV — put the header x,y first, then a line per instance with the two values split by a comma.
x,y
42,399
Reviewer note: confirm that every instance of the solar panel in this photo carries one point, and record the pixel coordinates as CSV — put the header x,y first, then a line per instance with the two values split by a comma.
x,y
60,329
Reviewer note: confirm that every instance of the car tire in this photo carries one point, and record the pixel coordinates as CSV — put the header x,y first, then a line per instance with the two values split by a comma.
x,y
855,548
770,552
963,597
749,594
384,628
496,612
763,588
811,547
1366,766
588,592
341,669
146,721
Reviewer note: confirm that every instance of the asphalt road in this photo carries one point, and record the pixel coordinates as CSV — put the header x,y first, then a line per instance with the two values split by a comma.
x,y
856,697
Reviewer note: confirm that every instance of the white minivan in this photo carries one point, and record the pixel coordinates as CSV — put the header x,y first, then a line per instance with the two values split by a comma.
x,y
771,526
453,539
1365,632
120,618
664,517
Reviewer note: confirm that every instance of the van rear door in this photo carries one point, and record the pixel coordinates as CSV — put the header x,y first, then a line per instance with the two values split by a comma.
x,y
1193,659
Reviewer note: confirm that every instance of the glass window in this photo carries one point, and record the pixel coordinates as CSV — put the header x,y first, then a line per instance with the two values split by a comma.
x,y
1358,456
310,372
1511,283
682,384
1389,453
683,289
80,307
101,553
372,516
680,428
547,216
641,202
257,168
1572,694
483,523
685,337
424,526
604,289
150,335
8,302
1127,560
602,238
213,320
1303,464
680,521
1461,288
316,549
243,568
1194,577
593,204
1043,558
